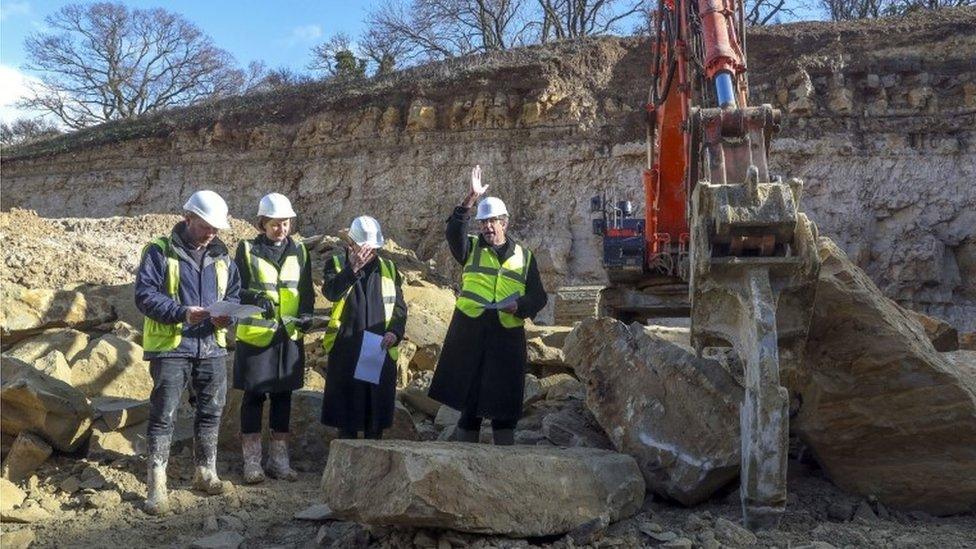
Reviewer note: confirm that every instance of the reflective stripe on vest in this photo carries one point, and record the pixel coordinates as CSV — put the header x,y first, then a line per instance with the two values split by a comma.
x,y
159,336
281,287
486,280
388,290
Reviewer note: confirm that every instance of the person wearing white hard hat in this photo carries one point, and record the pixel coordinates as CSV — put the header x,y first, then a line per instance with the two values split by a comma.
x,y
481,370
269,361
179,276
367,298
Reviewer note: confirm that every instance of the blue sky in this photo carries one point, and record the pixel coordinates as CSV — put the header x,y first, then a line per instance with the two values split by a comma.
x,y
280,33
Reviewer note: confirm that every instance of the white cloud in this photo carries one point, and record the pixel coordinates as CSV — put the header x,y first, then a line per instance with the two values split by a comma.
x,y
305,34
13,88
8,9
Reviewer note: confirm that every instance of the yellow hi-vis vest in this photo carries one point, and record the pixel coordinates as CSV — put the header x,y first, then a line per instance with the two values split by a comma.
x,y
158,336
388,276
281,287
486,280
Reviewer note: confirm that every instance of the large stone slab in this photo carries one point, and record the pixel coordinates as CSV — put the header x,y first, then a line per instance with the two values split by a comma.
x,y
676,414
24,312
112,367
515,491
28,452
884,412
67,340
33,401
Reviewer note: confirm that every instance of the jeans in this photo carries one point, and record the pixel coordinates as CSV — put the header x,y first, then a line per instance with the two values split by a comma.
x,y
207,379
252,404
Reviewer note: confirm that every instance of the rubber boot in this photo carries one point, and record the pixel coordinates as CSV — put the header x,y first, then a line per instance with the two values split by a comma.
x,y
205,457
157,497
467,435
503,437
278,466
251,448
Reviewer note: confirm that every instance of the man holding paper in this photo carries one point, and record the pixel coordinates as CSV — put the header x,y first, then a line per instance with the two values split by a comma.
x,y
179,276
481,370
366,324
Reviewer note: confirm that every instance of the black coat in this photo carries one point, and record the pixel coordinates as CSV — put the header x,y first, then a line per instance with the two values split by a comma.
x,y
281,365
350,404
482,365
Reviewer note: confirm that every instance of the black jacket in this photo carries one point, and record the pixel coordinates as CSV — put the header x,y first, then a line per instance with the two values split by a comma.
x,y
350,404
482,365
281,365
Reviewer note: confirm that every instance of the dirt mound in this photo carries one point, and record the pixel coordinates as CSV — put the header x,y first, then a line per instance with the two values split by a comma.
x,y
61,253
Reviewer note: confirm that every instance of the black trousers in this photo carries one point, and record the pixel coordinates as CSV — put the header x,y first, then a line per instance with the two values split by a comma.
x,y
470,421
279,416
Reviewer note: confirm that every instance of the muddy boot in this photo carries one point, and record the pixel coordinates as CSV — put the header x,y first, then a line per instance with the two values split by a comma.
x,y
157,498
251,448
467,435
503,437
278,466
205,458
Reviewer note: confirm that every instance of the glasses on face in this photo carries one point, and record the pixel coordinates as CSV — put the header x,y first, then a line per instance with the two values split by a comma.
x,y
490,221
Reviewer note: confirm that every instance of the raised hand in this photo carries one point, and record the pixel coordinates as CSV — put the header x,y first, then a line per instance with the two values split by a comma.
x,y
360,257
476,189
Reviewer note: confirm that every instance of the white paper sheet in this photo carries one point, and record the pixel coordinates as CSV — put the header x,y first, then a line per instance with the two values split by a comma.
x,y
233,310
371,358
503,303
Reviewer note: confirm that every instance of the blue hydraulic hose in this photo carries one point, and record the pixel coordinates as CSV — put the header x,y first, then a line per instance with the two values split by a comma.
x,y
723,88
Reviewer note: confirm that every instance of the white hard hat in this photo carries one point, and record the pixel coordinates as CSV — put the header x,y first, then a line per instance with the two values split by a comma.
x,y
275,206
491,207
210,207
366,232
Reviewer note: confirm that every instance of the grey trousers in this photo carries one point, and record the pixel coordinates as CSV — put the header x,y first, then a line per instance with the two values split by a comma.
x,y
207,380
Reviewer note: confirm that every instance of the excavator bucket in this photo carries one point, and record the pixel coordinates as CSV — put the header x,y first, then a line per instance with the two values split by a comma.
x,y
753,271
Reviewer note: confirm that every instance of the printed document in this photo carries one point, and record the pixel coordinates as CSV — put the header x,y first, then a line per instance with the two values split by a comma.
x,y
371,358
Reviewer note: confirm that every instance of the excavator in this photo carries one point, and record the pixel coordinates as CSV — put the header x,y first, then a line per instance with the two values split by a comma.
x,y
720,240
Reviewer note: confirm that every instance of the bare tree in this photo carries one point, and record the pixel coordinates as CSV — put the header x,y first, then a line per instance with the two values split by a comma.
x,y
908,6
25,130
764,12
840,10
562,19
436,29
104,62
261,79
336,59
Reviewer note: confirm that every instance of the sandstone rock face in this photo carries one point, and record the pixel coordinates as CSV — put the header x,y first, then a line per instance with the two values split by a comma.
x,y
46,406
545,491
24,312
678,415
112,366
66,340
885,414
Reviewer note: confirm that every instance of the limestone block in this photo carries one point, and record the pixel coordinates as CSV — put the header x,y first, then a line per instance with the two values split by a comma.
x,y
36,402
112,366
884,412
514,491
676,414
